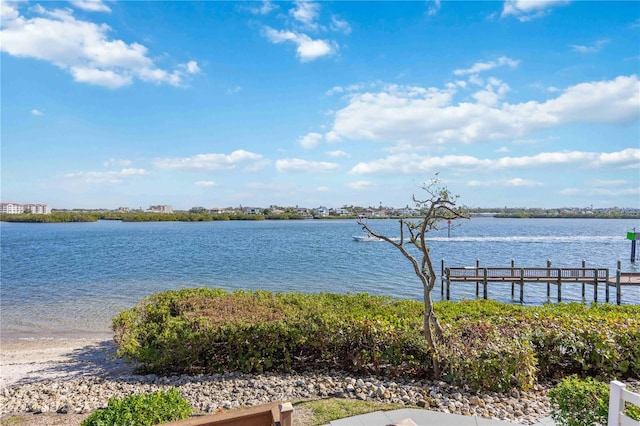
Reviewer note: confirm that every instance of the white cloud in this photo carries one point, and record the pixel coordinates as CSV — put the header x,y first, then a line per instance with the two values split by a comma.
x,y
299,165
527,10
361,184
413,163
353,88
307,49
116,162
434,7
338,153
306,12
192,67
205,183
310,140
110,177
36,112
617,182
515,182
340,25
210,161
618,192
91,5
420,117
98,77
234,90
479,67
332,137
595,47
265,8
522,182
322,189
82,48
604,192
629,157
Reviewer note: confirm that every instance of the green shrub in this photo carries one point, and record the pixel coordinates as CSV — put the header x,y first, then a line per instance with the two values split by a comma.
x,y
142,410
484,356
210,330
578,402
596,342
488,345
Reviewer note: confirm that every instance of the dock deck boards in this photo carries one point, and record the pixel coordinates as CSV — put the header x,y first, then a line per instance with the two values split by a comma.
x,y
549,275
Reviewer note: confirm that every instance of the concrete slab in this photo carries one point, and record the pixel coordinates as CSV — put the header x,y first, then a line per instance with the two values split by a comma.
x,y
424,418
369,419
547,421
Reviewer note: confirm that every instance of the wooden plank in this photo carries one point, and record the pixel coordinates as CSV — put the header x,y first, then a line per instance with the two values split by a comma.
x,y
260,415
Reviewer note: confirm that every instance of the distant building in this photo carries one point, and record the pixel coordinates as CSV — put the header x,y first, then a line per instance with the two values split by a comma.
x,y
367,213
123,210
304,213
322,211
15,208
161,209
408,212
342,212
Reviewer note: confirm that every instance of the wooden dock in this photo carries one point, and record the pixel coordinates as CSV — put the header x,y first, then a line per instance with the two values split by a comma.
x,y
623,279
482,275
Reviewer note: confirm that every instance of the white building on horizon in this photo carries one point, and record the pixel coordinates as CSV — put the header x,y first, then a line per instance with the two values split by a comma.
x,y
165,208
17,208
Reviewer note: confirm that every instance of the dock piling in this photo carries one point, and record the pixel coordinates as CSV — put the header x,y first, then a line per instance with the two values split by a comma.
x,y
521,285
442,279
484,285
548,282
513,284
477,274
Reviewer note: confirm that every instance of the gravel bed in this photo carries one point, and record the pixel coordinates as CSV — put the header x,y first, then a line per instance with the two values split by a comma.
x,y
226,391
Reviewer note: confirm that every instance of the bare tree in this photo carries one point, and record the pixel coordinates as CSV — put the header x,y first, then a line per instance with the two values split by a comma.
x,y
438,207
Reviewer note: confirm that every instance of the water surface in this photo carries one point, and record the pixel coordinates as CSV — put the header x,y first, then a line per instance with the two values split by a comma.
x,y
70,279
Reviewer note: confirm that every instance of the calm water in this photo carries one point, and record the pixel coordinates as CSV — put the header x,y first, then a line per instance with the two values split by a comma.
x,y
62,280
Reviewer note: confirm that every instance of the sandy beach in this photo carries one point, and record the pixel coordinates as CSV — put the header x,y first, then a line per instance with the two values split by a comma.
x,y
26,360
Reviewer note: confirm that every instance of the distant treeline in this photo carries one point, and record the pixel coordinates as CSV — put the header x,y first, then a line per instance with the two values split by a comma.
x,y
139,216
552,215
59,217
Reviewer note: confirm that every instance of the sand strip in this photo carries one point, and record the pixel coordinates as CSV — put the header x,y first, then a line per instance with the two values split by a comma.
x,y
26,361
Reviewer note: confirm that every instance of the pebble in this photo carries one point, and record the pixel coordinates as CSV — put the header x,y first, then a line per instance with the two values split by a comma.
x,y
232,390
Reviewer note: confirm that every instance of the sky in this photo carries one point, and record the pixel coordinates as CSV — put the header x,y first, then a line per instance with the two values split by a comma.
x,y
108,104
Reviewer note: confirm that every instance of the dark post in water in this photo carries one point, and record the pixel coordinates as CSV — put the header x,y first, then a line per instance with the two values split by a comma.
x,y
633,236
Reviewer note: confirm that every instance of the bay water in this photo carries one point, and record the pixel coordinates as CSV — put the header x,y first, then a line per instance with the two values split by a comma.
x,y
68,280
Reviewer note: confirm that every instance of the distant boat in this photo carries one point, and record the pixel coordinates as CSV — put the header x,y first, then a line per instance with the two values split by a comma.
x,y
369,238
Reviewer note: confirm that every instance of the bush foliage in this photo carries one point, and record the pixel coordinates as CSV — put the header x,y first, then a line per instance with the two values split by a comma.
x,y
578,402
583,402
490,345
142,410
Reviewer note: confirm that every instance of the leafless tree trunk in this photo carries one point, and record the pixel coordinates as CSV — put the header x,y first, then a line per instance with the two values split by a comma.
x,y
439,206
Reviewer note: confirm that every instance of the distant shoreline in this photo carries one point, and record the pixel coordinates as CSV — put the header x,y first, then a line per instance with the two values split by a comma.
x,y
67,217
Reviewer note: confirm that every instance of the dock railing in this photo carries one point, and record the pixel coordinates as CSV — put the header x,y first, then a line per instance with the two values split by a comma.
x,y
483,275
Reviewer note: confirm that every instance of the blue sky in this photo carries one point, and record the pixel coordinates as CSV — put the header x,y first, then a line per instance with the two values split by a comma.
x,y
517,103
